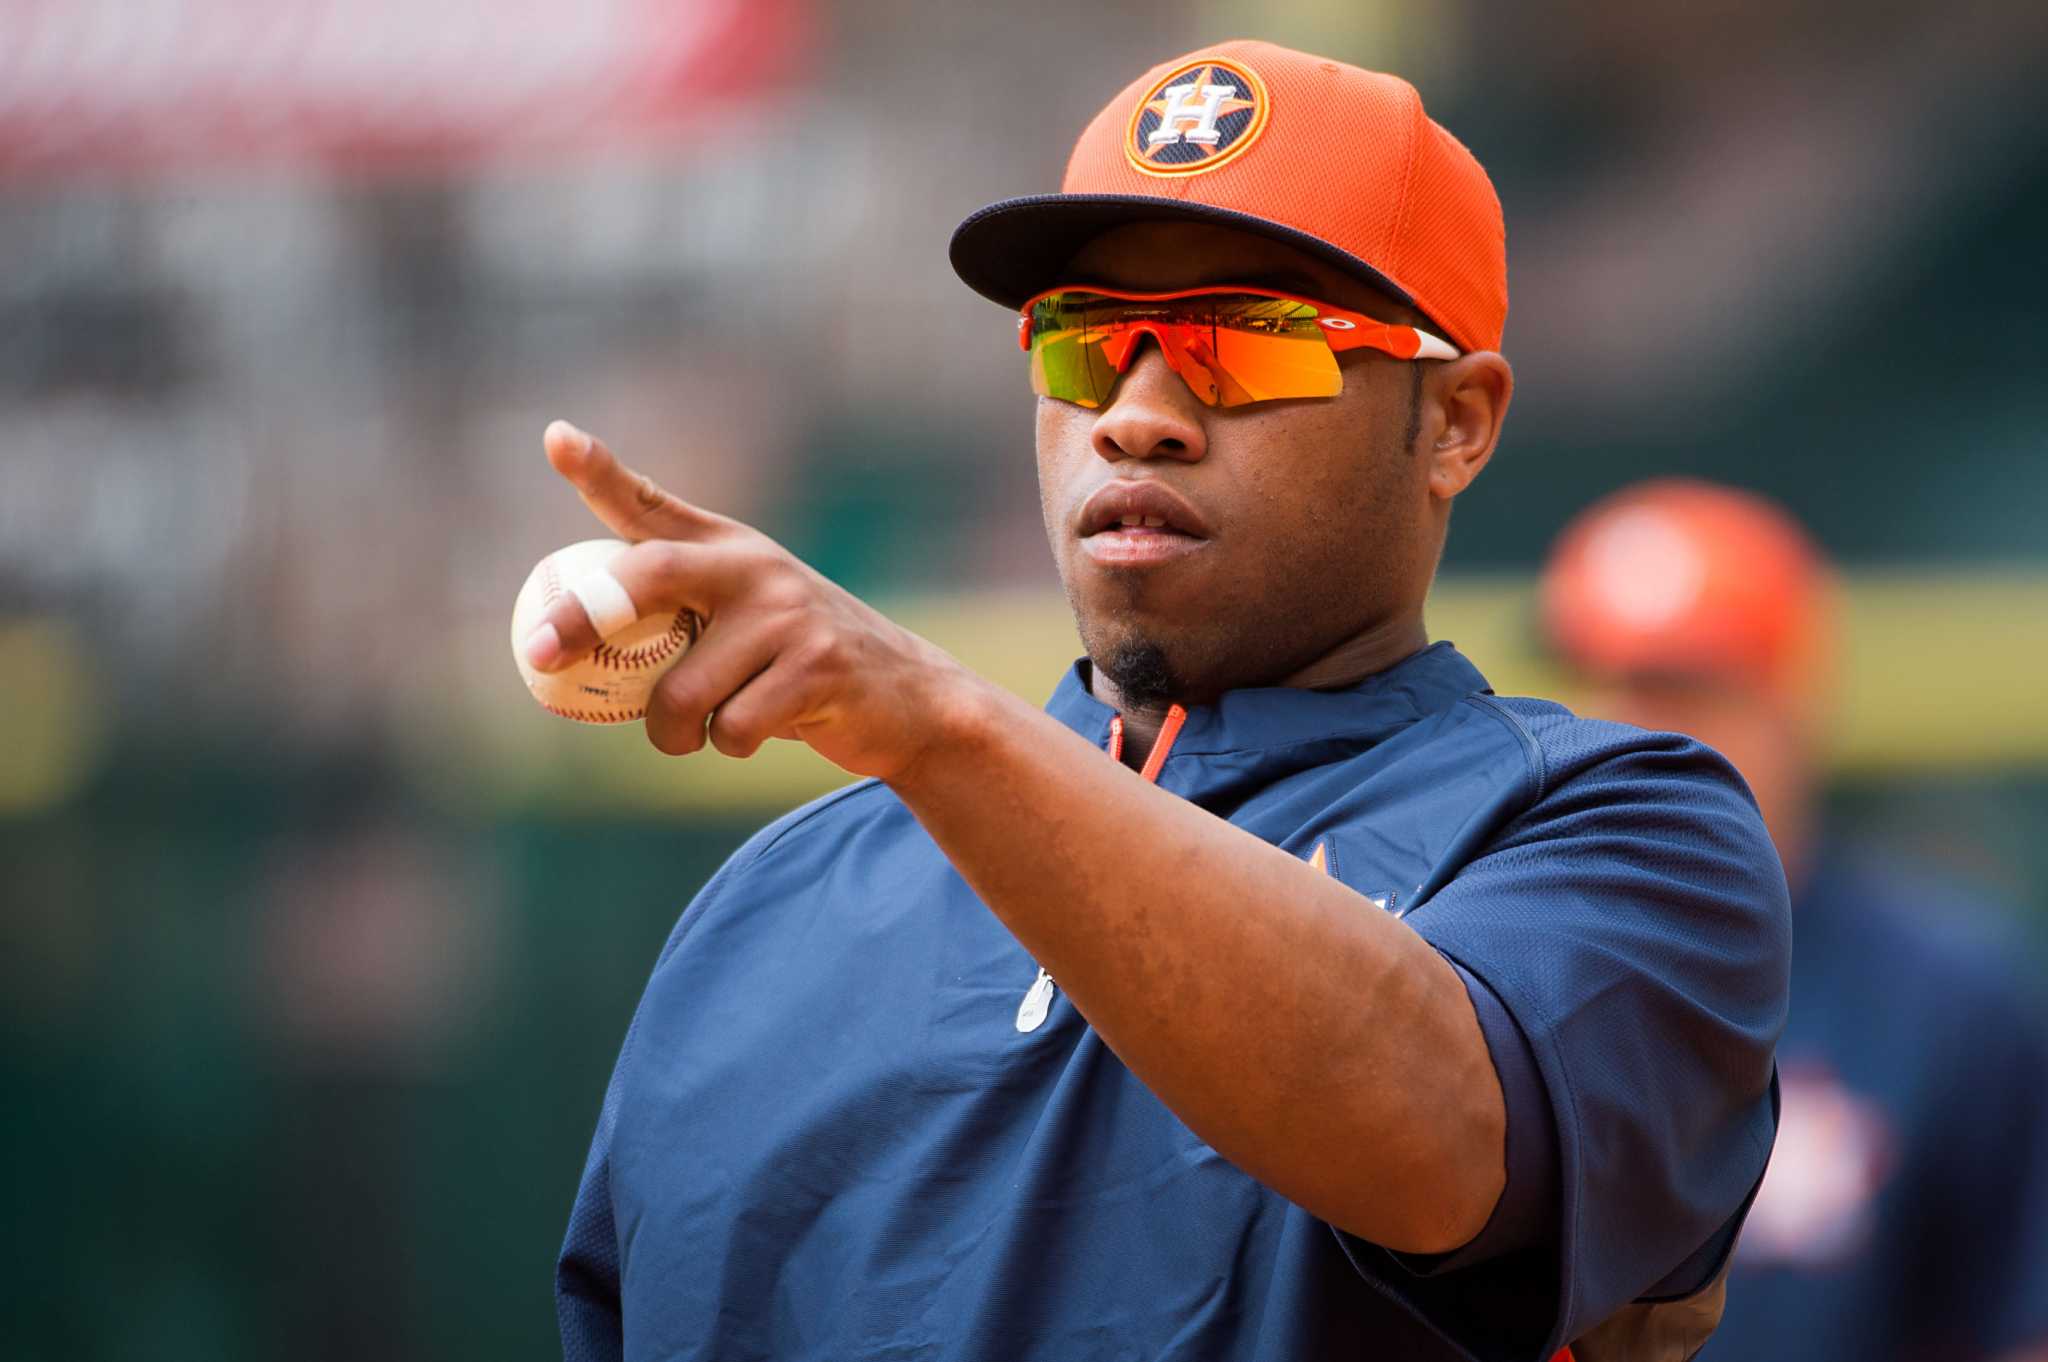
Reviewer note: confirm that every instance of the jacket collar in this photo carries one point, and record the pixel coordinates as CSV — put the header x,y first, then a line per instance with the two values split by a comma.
x,y
1268,717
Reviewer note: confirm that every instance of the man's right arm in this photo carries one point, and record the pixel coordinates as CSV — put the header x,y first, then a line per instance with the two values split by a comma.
x,y
587,1308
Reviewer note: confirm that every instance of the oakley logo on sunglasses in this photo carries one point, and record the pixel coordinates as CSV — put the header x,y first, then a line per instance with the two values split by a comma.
x,y
1196,118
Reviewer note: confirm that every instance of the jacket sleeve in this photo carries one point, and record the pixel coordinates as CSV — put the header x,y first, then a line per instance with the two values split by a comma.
x,y
589,1308
589,1304
587,1272
1633,919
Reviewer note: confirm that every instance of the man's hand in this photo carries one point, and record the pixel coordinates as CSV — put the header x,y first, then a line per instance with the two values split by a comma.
x,y
784,653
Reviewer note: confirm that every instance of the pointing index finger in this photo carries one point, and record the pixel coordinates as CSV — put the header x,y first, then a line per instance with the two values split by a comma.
x,y
632,505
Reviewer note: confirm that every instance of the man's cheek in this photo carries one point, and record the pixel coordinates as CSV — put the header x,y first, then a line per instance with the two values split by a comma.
x,y
1062,483
1059,428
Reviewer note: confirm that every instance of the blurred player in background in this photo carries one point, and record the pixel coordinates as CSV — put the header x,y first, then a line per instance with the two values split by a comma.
x,y
1905,1213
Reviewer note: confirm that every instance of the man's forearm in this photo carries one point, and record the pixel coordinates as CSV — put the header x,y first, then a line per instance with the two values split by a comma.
x,y
1320,1045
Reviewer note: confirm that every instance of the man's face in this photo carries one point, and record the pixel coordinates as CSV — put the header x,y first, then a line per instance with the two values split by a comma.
x,y
1315,517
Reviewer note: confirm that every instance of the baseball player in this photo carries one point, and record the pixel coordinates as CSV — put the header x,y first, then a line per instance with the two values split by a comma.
x,y
1905,1215
1277,991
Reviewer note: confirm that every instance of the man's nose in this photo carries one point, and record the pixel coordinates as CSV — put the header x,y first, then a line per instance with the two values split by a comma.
x,y
1152,415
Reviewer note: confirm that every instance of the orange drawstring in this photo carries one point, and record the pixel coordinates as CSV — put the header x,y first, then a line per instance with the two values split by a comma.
x,y
1168,731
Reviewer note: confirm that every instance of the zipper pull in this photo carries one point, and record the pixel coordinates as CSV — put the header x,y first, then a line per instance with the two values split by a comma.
x,y
1037,1002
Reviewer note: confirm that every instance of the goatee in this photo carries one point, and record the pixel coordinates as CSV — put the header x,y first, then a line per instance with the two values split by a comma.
x,y
1141,673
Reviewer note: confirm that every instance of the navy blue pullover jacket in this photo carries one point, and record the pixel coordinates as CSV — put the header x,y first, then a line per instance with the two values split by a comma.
x,y
827,1135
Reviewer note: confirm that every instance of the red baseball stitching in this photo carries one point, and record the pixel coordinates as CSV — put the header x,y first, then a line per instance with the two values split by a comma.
x,y
591,716
682,631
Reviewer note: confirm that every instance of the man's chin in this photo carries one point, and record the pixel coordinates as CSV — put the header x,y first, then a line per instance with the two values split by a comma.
x,y
1142,672
1154,648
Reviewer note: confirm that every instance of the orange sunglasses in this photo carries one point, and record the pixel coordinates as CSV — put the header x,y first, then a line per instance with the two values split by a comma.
x,y
1230,345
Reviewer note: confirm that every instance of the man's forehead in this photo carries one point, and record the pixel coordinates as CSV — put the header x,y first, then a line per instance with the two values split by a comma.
x,y
1158,257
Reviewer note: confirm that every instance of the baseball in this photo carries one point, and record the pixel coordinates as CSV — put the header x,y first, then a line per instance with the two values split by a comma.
x,y
610,686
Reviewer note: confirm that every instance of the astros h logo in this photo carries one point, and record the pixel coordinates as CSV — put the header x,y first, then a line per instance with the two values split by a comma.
x,y
1201,116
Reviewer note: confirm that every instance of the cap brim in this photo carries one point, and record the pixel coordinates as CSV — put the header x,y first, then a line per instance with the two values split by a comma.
x,y
1017,249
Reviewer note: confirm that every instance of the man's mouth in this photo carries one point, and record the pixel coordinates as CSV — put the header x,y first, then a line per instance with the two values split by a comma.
x,y
1139,524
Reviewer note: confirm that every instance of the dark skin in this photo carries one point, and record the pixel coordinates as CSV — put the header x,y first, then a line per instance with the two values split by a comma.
x,y
1325,528
1324,1048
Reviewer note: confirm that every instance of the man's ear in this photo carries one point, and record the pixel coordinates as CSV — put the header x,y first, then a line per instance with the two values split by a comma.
x,y
1471,395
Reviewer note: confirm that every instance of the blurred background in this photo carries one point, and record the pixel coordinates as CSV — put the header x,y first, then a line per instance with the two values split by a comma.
x,y
318,938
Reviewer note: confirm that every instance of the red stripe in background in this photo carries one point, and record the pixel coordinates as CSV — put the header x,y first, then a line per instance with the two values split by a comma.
x,y
380,87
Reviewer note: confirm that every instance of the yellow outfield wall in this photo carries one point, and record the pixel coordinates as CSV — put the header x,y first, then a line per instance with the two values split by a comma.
x,y
1942,672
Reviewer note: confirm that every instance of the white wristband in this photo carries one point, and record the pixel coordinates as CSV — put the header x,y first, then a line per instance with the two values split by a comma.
x,y
605,601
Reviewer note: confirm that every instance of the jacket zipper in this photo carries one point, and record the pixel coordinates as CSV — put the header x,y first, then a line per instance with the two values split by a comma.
x,y
1037,1001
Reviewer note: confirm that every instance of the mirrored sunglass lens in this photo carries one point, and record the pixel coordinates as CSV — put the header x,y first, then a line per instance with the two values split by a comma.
x,y
1067,360
1265,367
1268,348
1230,349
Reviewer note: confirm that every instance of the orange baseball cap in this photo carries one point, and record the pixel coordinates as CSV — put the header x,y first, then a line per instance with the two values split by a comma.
x,y
1338,162
1678,577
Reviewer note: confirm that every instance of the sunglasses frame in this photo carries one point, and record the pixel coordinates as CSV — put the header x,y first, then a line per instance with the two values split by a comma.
x,y
1342,328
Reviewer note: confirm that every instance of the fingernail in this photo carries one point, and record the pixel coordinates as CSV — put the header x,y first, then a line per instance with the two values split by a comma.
x,y
567,434
543,646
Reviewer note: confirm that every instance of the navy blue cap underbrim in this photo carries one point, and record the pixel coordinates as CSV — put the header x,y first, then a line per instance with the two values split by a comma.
x,y
1014,250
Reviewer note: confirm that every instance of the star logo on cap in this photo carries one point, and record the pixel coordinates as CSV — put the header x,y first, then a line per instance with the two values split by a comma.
x,y
1203,115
